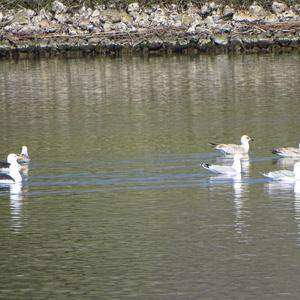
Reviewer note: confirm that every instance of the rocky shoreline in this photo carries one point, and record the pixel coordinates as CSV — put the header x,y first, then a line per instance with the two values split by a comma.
x,y
107,30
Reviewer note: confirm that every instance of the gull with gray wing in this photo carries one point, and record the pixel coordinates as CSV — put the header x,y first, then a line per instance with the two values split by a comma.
x,y
234,169
234,148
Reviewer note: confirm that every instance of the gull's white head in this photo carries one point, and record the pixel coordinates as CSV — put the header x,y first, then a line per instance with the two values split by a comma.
x,y
246,139
24,150
12,159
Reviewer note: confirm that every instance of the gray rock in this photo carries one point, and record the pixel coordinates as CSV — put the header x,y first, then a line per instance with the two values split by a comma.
x,y
12,28
111,15
205,9
228,11
236,40
278,7
126,18
43,14
96,13
186,19
100,7
94,40
154,43
209,21
1,16
204,44
142,20
288,15
107,26
297,8
271,19
23,17
220,39
159,18
257,11
190,20
85,13
35,20
193,26
95,21
133,8
48,26
264,41
86,26
149,10
71,30
225,27
58,7
60,18
191,9
175,19
245,16
119,26
29,30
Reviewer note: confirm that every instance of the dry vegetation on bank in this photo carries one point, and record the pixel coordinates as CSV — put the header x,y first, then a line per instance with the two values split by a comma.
x,y
38,4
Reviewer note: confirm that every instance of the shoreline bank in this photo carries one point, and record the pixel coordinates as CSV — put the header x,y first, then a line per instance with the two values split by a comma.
x,y
108,31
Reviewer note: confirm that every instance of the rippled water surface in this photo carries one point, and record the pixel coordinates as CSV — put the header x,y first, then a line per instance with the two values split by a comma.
x,y
115,205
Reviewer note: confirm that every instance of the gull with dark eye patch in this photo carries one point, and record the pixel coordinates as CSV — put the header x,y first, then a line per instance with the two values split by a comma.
x,y
234,148
234,169
287,152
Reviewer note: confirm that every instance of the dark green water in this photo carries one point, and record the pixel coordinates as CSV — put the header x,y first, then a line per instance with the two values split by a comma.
x,y
115,204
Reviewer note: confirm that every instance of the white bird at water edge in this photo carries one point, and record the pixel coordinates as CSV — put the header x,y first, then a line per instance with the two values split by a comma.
x,y
234,169
234,148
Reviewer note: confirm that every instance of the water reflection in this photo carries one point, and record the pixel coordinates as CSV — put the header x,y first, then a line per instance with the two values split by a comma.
x,y
96,128
24,171
297,208
16,203
281,189
240,189
286,162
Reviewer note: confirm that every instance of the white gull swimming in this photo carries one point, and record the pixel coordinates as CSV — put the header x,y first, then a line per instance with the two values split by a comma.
x,y
5,166
13,175
234,148
285,175
234,169
23,157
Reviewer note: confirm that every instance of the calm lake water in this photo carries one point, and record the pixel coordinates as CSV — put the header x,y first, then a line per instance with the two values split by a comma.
x,y
115,204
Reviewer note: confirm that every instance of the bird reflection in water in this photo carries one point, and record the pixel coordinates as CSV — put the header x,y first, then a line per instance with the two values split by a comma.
x,y
297,207
16,203
239,190
282,188
286,162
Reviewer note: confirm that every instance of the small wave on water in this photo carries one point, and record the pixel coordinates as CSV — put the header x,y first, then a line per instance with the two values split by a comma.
x,y
166,172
